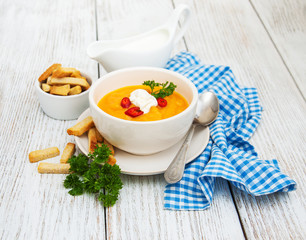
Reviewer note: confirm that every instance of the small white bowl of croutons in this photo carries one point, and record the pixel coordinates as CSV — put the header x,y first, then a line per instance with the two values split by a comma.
x,y
63,92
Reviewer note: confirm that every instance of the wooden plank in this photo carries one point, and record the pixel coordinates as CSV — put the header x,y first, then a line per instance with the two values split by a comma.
x,y
139,213
230,33
35,34
285,22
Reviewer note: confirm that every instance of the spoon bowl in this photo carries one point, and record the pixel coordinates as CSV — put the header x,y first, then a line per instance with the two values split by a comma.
x,y
208,109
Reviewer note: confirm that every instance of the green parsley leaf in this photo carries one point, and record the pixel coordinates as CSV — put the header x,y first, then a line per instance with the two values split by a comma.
x,y
79,164
73,181
94,175
100,154
152,84
109,178
166,89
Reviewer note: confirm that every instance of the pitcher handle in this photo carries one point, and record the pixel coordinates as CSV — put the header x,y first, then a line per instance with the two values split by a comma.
x,y
179,11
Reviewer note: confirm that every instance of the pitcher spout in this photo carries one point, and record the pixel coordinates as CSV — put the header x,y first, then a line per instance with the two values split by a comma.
x,y
103,52
95,50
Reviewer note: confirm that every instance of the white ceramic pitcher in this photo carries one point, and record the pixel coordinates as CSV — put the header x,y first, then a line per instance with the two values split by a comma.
x,y
152,48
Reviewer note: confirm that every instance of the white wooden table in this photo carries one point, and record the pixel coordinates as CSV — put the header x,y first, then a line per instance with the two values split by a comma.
x,y
263,41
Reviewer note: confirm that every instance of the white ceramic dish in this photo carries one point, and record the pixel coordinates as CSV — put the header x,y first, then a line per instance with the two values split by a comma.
x,y
142,138
151,48
63,107
150,164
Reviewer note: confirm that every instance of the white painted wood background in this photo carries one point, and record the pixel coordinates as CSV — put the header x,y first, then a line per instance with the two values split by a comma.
x,y
263,41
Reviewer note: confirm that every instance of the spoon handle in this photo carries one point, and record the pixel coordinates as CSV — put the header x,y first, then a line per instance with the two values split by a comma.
x,y
175,171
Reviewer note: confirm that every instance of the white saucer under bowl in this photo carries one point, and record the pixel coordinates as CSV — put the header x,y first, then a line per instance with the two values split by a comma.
x,y
150,164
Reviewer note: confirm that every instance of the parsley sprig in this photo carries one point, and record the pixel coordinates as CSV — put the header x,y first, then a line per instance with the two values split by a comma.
x,y
166,88
94,175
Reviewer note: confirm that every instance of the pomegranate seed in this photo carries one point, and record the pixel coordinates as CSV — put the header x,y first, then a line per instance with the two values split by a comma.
x,y
162,102
125,102
134,112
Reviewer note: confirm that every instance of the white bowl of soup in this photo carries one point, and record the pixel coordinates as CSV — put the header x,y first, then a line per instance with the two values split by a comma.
x,y
147,133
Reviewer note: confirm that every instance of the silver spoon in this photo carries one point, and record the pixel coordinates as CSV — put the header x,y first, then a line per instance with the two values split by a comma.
x,y
208,106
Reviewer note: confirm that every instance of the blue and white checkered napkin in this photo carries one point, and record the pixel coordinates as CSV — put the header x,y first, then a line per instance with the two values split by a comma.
x,y
228,154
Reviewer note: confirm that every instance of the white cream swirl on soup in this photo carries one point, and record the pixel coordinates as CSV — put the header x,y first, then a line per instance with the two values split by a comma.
x,y
142,99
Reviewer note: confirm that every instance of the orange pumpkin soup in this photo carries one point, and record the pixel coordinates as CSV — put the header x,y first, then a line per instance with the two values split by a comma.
x,y
111,104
